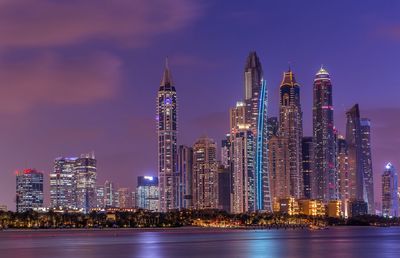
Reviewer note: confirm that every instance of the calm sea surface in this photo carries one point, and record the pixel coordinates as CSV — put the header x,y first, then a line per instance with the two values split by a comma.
x,y
341,242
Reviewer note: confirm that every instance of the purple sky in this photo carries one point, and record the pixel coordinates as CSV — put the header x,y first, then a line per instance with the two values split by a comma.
x,y
77,76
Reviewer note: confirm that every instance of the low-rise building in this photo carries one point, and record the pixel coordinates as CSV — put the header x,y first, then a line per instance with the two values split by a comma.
x,y
335,209
312,207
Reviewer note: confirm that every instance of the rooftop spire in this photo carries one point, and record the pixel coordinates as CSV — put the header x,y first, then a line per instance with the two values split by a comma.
x,y
288,78
322,71
253,61
167,78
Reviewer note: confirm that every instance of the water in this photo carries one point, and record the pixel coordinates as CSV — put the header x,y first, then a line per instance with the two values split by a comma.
x,y
340,242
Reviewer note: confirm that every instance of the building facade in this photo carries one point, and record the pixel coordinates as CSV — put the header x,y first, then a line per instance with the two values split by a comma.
x,y
307,165
291,130
325,174
279,174
354,143
86,177
63,184
205,174
29,190
343,173
185,166
367,164
147,193
390,198
256,100
167,141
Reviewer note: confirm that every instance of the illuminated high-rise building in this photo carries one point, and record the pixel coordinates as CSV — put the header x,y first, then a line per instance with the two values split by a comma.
x,y
390,198
100,197
279,174
354,142
243,171
205,174
29,190
256,101
63,184
167,141
226,151
124,198
291,129
224,188
147,193
367,164
109,194
253,74
342,167
307,165
86,176
324,181
272,126
242,152
185,165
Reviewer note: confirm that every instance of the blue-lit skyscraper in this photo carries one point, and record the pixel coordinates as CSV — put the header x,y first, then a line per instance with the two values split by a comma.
x,y
263,193
256,116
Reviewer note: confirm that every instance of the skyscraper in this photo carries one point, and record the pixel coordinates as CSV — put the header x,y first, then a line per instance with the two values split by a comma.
x,y
100,197
325,174
367,163
147,193
307,165
279,174
29,190
354,140
205,174
390,199
224,188
256,116
86,176
63,184
342,168
272,126
291,129
242,152
124,198
185,166
243,171
226,151
167,141
109,196
253,74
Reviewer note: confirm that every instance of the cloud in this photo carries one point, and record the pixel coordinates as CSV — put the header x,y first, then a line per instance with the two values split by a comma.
x,y
52,78
43,23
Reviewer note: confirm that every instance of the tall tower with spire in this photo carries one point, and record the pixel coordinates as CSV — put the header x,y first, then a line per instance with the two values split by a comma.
x,y
291,131
325,175
255,97
167,141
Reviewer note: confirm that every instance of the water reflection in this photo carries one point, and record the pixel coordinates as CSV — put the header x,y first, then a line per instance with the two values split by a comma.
x,y
336,242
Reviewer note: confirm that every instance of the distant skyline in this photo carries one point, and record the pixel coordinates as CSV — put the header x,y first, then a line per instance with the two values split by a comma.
x,y
77,77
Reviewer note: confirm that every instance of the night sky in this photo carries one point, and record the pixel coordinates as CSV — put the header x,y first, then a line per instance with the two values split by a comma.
x,y
81,76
